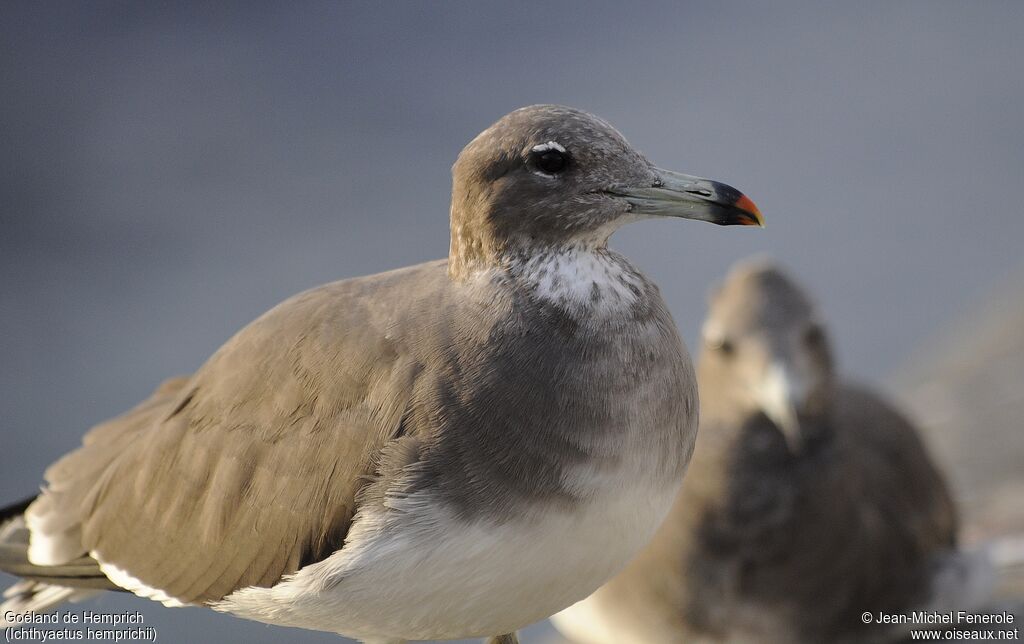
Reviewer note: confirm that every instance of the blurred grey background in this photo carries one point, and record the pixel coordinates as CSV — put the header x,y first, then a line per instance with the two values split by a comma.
x,y
169,171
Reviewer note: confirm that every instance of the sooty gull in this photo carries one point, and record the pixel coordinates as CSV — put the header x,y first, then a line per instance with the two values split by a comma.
x,y
808,500
454,449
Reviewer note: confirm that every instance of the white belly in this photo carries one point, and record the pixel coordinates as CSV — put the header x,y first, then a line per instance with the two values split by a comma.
x,y
585,622
416,572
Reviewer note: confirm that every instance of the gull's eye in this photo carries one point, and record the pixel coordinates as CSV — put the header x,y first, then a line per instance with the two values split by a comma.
x,y
550,158
723,346
726,348
815,337
552,162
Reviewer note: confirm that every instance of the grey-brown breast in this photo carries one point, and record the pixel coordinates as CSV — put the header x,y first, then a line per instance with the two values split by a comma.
x,y
536,390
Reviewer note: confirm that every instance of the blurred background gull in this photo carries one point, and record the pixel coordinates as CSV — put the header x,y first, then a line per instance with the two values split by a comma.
x,y
170,171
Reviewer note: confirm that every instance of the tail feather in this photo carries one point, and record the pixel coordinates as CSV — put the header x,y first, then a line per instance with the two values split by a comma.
x,y
15,510
41,587
37,597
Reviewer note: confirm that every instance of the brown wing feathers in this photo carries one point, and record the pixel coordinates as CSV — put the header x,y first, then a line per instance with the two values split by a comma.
x,y
195,493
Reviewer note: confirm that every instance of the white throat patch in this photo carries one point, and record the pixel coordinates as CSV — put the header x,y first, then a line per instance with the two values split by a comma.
x,y
595,281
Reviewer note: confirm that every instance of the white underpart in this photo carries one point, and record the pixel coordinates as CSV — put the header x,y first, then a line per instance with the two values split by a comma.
x,y
415,571
587,623
126,580
571,276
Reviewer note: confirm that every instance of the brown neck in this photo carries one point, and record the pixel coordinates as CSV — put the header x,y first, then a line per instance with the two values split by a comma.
x,y
469,252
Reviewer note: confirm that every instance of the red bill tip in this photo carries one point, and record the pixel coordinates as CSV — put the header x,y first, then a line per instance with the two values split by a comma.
x,y
744,203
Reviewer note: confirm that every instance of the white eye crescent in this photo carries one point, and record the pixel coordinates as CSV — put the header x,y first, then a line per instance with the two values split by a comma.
x,y
550,145
549,159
